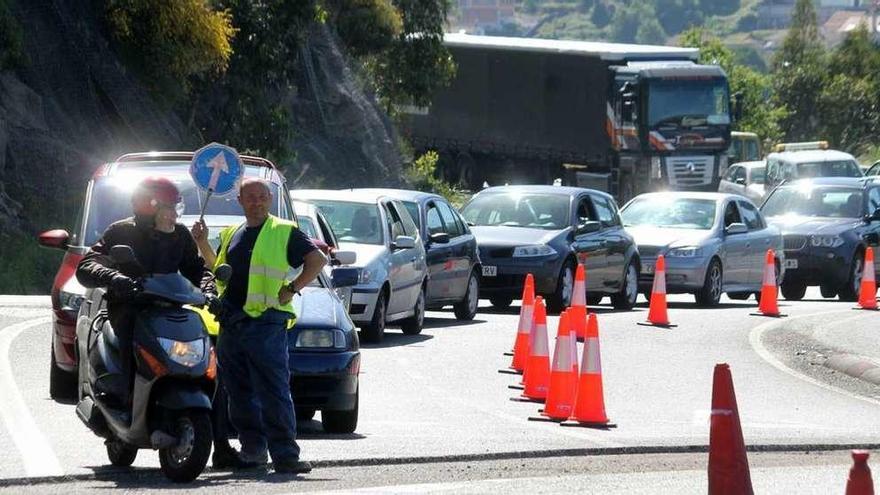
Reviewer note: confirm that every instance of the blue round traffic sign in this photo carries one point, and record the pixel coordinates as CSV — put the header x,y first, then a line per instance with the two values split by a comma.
x,y
216,168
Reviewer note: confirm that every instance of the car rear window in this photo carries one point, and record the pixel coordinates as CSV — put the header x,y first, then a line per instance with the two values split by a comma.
x,y
110,201
841,168
352,222
836,202
537,211
669,212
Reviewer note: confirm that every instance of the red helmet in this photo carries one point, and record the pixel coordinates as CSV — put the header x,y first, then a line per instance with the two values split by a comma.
x,y
151,192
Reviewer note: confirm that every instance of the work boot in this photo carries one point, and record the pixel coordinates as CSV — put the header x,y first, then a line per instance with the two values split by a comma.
x,y
225,458
254,461
292,466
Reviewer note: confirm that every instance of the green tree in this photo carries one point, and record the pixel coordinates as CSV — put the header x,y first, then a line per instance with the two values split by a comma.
x,y
650,32
759,114
719,7
11,55
170,42
601,14
800,74
677,15
417,63
365,26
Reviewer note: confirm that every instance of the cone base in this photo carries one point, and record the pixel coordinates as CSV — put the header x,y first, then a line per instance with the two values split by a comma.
x,y
510,372
660,325
545,419
516,387
780,315
508,354
587,424
527,399
862,308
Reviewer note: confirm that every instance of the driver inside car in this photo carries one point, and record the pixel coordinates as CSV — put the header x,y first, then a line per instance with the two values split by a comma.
x,y
160,245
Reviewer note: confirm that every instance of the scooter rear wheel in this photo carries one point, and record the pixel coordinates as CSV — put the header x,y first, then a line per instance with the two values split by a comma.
x,y
186,461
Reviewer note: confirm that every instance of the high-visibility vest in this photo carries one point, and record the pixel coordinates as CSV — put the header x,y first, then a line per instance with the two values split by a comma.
x,y
268,267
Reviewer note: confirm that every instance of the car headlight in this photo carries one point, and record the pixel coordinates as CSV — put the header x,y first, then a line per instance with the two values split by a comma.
x,y
322,339
828,241
70,301
188,354
365,276
537,250
685,252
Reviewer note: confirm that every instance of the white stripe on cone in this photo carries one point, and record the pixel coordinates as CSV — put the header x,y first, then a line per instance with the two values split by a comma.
x,y
659,283
539,341
525,319
592,364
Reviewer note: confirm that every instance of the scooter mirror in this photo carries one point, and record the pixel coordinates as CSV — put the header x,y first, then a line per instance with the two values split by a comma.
x,y
223,273
122,254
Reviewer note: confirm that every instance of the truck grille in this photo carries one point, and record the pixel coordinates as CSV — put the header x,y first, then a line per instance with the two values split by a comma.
x,y
685,171
794,242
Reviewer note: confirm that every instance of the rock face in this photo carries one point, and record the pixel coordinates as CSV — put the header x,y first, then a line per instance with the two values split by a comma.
x,y
74,106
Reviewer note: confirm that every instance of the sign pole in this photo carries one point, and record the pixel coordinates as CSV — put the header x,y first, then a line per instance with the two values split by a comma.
x,y
205,205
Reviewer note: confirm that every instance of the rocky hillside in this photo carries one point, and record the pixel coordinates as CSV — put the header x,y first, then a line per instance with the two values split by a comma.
x,y
73,105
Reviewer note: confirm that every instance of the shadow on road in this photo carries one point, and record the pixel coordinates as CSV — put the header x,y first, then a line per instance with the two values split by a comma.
x,y
450,322
395,340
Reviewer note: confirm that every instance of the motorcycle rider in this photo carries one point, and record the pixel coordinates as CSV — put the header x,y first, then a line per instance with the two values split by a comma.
x,y
160,245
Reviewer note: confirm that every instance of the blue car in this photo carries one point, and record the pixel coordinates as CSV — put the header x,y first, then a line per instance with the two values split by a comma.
x,y
325,357
450,248
546,231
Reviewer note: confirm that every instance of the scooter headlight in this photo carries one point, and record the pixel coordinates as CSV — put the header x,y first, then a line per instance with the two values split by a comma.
x,y
187,354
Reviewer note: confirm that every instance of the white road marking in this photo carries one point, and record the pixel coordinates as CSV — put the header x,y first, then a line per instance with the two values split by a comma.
x,y
37,456
755,340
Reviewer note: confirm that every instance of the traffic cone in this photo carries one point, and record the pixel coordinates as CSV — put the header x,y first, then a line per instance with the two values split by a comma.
x,y
657,316
560,394
589,404
868,290
524,328
769,304
536,375
728,464
860,482
578,308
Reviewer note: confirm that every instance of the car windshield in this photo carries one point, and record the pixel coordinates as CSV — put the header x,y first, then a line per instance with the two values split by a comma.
x,y
307,226
687,104
835,202
758,174
537,211
352,222
111,201
841,168
670,212
413,208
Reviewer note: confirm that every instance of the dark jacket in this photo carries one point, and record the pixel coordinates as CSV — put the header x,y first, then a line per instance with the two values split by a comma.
x,y
156,253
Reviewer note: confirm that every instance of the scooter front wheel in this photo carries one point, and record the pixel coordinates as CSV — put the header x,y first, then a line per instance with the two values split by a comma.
x,y
185,461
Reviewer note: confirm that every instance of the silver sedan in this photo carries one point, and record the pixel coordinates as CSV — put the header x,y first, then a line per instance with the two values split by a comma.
x,y
713,243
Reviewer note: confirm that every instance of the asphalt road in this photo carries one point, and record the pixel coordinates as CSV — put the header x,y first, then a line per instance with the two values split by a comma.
x,y
435,403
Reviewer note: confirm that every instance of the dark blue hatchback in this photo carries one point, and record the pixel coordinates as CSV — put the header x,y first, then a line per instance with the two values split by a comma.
x,y
325,359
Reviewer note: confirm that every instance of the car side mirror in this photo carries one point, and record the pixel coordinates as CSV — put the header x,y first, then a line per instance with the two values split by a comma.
x,y
439,238
736,228
223,273
403,242
56,239
345,257
344,277
588,227
122,254
740,180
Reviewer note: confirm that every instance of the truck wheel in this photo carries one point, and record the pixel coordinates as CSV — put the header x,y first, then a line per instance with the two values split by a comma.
x,y
374,331
828,292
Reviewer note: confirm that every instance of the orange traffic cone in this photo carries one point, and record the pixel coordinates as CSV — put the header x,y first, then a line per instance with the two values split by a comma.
x,y
560,395
860,482
589,404
868,290
769,304
728,464
578,309
536,375
657,316
524,328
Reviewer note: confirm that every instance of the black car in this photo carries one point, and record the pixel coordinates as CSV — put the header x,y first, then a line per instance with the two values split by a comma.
x,y
546,231
325,356
826,225
450,248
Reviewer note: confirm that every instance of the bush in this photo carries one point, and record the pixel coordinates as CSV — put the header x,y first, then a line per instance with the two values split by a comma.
x,y
422,174
367,26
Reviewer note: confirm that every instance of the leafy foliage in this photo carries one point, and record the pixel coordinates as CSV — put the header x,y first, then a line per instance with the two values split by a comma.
x,y
171,41
422,174
366,26
11,55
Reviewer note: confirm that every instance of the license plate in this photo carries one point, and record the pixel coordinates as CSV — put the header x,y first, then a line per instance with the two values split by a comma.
x,y
490,271
791,264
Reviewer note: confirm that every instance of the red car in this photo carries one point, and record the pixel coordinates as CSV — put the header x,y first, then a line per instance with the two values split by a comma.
x,y
107,200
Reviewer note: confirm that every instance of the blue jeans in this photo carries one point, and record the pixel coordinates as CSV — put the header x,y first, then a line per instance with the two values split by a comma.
x,y
253,360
